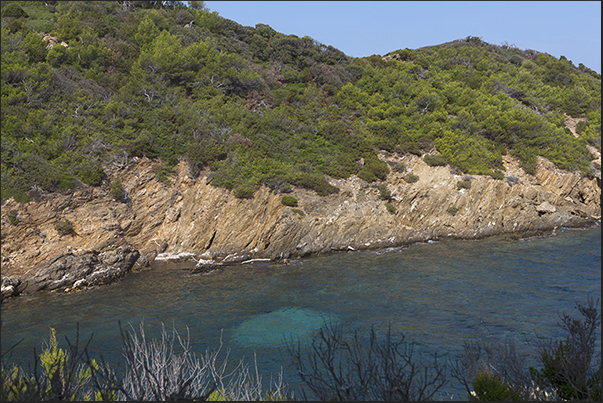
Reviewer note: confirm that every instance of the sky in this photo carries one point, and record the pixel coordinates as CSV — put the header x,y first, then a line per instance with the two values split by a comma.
x,y
364,28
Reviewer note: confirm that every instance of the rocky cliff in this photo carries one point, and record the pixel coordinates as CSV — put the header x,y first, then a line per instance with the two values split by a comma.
x,y
191,218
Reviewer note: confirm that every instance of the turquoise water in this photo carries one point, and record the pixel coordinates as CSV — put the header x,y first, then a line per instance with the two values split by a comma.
x,y
438,295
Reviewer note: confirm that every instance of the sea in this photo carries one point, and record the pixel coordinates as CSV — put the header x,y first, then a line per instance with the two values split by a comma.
x,y
437,295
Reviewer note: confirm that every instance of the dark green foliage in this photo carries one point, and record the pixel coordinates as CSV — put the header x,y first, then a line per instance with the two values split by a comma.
x,y
384,193
13,217
244,192
373,169
64,227
411,178
289,201
163,172
13,10
391,208
400,167
116,190
528,159
463,184
317,183
91,174
571,365
434,160
254,106
491,388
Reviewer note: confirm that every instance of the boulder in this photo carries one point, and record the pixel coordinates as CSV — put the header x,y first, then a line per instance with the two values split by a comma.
x,y
68,271
10,287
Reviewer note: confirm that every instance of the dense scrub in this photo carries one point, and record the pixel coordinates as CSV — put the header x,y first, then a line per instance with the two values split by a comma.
x,y
177,82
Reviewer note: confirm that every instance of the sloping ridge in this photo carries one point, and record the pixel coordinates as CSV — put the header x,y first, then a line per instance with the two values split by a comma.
x,y
193,218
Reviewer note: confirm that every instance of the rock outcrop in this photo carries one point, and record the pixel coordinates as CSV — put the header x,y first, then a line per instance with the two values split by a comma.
x,y
70,271
192,218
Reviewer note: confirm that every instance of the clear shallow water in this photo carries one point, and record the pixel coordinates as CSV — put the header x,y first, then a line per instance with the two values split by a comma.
x,y
437,294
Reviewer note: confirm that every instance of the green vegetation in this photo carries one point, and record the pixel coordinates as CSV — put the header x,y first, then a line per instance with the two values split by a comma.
x,y
391,208
13,217
337,364
464,184
411,178
289,201
116,190
252,107
434,160
64,227
384,192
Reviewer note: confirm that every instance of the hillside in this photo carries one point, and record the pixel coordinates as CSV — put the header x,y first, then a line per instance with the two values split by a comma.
x,y
140,123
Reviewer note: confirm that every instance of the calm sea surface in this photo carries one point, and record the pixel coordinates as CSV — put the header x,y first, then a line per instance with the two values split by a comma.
x,y
438,295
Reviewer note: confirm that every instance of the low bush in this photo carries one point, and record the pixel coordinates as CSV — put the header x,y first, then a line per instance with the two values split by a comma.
x,y
463,184
91,174
317,183
116,190
491,388
244,192
64,227
411,178
400,168
496,174
391,208
13,217
289,201
384,193
163,172
435,160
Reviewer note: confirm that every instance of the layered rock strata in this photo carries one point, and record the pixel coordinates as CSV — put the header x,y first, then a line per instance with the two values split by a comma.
x,y
190,218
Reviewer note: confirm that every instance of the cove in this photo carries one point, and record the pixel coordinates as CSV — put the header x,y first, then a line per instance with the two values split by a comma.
x,y
438,295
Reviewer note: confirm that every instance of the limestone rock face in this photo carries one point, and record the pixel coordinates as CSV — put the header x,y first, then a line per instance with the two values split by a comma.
x,y
68,270
193,218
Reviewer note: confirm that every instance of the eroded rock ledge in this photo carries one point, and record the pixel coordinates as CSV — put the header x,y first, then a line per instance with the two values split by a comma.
x,y
211,226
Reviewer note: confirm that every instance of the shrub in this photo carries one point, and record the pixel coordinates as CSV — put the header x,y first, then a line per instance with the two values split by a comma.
x,y
289,201
528,159
64,227
373,169
163,172
491,388
116,190
496,174
298,211
91,174
435,160
317,183
244,192
13,217
463,184
400,168
391,208
411,178
162,369
384,193
13,10
572,366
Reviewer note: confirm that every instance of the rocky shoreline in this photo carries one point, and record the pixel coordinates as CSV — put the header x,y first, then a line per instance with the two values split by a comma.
x,y
191,219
